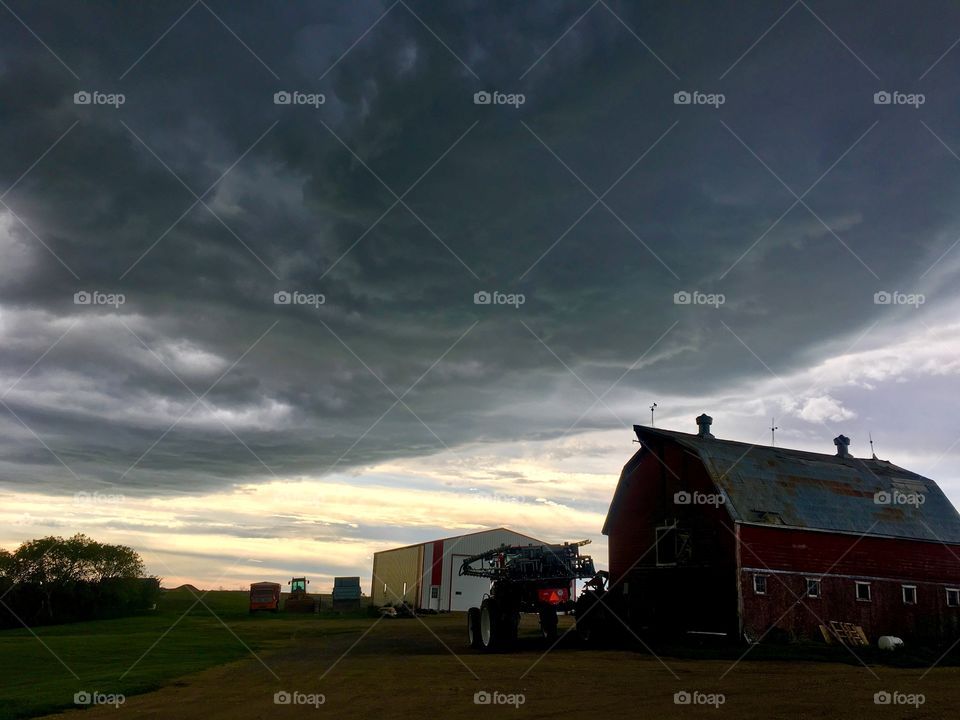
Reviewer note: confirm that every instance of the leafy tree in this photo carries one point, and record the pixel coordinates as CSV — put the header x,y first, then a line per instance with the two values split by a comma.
x,y
56,566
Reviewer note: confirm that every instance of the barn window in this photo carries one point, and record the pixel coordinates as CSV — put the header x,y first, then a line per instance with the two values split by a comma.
x,y
760,584
863,591
435,592
909,594
953,597
673,545
813,587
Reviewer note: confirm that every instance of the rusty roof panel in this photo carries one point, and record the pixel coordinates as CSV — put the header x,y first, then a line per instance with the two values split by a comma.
x,y
795,488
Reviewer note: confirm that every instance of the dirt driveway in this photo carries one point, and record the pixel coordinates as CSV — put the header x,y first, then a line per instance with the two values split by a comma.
x,y
401,669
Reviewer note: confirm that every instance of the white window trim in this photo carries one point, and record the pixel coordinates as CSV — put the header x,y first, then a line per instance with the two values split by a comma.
x,y
857,586
819,588
953,590
755,577
903,594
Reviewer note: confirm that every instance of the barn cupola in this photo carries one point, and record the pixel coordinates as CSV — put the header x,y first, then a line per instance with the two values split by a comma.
x,y
704,422
843,443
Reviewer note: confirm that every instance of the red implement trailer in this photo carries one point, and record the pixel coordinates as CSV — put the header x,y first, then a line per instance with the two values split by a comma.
x,y
264,596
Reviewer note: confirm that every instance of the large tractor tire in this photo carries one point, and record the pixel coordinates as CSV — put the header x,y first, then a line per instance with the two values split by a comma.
x,y
473,628
491,625
548,623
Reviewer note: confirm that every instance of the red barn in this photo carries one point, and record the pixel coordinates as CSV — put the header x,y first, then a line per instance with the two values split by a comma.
x,y
717,536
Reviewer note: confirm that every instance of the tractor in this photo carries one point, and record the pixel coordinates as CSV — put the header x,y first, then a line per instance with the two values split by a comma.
x,y
524,579
298,601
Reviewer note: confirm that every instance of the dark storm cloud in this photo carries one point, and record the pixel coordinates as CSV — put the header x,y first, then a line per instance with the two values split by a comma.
x,y
296,211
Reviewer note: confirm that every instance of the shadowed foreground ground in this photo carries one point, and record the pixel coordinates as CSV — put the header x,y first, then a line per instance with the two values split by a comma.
x,y
400,669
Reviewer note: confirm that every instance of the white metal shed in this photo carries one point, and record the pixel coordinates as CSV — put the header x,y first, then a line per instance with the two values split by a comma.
x,y
426,575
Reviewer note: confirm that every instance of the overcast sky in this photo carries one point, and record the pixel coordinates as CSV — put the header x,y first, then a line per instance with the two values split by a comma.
x,y
232,438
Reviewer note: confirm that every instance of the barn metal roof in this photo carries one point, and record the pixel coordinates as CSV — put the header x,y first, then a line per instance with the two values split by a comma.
x,y
779,486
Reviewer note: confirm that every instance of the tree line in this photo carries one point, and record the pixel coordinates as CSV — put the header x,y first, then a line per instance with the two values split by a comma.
x,y
53,580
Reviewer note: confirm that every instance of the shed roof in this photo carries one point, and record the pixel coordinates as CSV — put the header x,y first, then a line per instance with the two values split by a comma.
x,y
779,486
469,534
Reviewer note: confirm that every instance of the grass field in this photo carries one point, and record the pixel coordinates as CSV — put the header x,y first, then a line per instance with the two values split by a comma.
x,y
401,668
128,656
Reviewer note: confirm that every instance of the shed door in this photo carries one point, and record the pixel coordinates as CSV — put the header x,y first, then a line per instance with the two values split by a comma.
x,y
466,591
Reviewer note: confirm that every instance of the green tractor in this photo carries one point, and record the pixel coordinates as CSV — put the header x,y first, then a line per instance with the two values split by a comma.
x,y
298,601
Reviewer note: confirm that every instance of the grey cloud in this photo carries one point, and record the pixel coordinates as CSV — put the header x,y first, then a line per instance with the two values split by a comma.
x,y
399,299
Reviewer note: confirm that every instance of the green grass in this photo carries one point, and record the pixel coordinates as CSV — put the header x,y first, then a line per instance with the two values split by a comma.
x,y
33,681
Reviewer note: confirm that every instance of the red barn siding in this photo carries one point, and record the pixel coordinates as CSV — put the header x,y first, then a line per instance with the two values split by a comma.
x,y
647,502
812,551
788,556
672,598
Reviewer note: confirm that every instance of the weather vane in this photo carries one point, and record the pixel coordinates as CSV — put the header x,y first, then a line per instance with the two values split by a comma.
x,y
773,432
652,408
